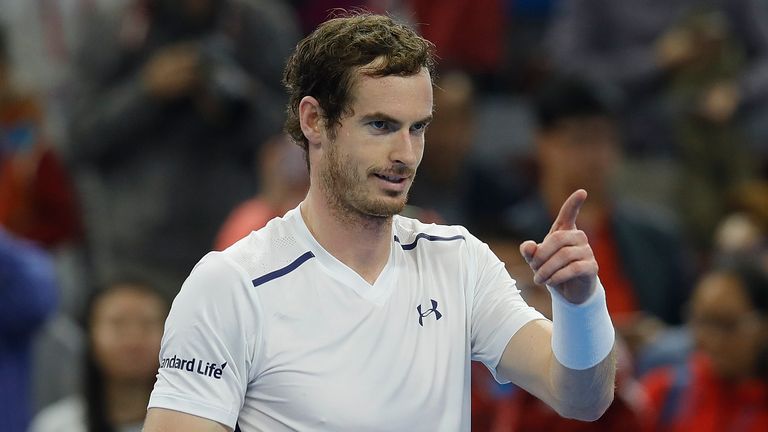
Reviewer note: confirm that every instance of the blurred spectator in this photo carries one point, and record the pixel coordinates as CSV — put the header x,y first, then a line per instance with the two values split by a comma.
x,y
178,95
742,234
27,298
527,65
36,194
468,34
312,13
505,408
724,385
125,325
444,179
41,35
642,261
713,153
697,75
744,231
284,184
640,45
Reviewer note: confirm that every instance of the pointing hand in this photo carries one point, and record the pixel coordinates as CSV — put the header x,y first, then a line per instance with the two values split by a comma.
x,y
564,259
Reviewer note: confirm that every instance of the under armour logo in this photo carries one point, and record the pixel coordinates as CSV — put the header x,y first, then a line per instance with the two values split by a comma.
x,y
426,313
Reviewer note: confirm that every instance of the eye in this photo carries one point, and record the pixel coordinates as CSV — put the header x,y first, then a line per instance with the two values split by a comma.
x,y
419,127
379,125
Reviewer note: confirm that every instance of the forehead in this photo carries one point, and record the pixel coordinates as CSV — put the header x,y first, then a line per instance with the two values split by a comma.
x,y
720,292
405,98
126,297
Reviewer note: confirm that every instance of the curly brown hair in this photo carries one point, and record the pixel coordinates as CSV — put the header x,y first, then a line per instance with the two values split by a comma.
x,y
325,64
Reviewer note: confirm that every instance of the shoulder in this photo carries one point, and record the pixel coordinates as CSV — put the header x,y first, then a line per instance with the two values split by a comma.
x,y
66,415
264,251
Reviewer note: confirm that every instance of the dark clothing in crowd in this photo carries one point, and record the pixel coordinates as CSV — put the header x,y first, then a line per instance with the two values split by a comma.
x,y
648,258
160,176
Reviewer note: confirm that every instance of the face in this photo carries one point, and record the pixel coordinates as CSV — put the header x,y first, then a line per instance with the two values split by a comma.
x,y
580,152
126,328
368,169
725,326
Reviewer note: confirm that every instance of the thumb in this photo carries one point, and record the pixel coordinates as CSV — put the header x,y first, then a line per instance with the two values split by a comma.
x,y
528,250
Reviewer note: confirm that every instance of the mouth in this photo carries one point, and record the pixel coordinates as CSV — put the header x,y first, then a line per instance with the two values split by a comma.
x,y
394,179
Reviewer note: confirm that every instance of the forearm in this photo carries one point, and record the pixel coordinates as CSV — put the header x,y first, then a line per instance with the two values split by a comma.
x,y
569,363
582,366
529,361
582,394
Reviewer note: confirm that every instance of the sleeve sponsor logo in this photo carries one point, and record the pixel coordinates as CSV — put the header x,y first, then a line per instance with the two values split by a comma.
x,y
193,365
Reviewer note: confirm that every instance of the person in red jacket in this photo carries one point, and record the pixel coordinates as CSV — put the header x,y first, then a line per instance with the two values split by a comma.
x,y
37,196
724,385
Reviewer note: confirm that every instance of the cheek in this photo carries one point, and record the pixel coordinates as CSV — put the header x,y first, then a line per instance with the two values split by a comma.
x,y
419,146
106,346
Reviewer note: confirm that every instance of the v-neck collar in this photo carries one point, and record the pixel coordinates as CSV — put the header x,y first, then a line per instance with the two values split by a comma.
x,y
376,293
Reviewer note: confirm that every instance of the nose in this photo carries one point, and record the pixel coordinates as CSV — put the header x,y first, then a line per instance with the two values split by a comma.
x,y
407,148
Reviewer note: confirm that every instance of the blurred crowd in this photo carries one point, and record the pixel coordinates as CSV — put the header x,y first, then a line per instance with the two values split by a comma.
x,y
136,135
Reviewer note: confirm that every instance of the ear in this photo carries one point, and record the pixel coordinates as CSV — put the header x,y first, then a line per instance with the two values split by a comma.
x,y
311,119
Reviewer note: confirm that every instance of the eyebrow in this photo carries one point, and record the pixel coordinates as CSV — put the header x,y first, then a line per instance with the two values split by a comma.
x,y
381,116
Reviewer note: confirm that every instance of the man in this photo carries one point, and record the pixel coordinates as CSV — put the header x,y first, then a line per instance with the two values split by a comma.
x,y
343,315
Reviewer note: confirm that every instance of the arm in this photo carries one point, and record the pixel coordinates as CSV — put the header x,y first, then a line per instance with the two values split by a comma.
x,y
575,374
165,420
213,319
529,362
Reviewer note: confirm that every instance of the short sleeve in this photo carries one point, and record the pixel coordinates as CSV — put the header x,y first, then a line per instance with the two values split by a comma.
x,y
498,310
210,340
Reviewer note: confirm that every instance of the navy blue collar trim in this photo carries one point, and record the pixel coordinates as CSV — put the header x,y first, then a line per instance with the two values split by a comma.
x,y
283,271
427,237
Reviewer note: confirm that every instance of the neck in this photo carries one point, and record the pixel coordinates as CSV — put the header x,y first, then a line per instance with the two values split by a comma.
x,y
359,241
127,401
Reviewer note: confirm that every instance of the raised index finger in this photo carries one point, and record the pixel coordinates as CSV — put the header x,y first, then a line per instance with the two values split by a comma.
x,y
566,219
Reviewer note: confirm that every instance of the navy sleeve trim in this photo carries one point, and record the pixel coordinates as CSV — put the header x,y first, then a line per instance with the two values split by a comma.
x,y
283,271
427,237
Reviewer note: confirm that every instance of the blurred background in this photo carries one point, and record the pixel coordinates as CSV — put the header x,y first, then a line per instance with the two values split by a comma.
x,y
137,135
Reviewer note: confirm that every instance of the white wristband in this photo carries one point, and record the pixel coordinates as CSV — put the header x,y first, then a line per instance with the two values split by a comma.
x,y
582,334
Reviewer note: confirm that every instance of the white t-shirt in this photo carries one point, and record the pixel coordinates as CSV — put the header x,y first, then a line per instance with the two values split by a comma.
x,y
274,333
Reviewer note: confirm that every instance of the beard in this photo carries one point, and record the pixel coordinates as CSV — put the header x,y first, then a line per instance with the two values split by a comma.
x,y
347,190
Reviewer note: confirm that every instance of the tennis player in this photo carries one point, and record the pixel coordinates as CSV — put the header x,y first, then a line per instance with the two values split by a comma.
x,y
344,316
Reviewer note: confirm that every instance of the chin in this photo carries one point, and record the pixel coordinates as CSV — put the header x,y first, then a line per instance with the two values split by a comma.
x,y
384,208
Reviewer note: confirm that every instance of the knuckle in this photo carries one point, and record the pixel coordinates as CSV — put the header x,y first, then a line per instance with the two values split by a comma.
x,y
575,253
558,236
